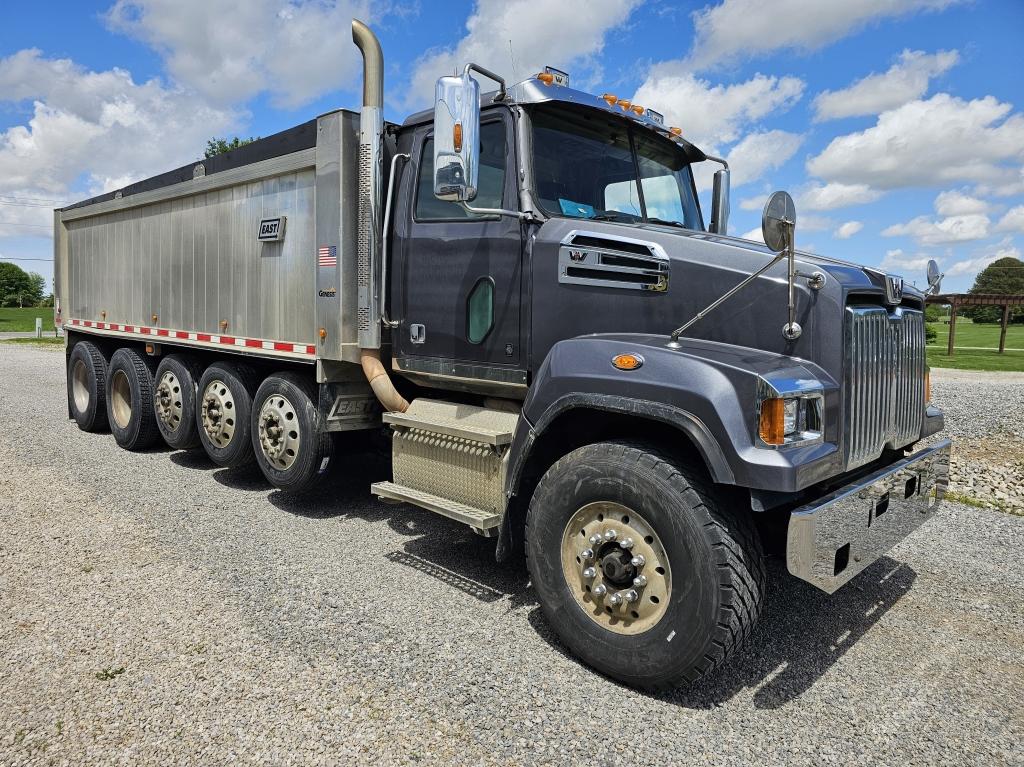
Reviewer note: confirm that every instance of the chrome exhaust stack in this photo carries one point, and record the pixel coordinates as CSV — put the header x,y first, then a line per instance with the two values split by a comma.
x,y
368,231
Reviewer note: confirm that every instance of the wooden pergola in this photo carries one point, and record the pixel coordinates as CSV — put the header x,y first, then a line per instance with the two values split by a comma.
x,y
958,300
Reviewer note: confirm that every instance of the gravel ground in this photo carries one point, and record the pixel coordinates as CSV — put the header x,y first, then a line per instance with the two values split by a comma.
x,y
985,416
156,610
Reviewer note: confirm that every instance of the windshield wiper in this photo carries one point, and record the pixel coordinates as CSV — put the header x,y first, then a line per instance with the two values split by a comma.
x,y
612,216
666,223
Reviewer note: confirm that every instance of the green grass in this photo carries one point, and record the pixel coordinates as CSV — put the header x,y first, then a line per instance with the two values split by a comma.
x,y
44,341
968,334
14,320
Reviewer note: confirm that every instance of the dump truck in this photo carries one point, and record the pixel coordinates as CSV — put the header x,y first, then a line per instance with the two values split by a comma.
x,y
518,288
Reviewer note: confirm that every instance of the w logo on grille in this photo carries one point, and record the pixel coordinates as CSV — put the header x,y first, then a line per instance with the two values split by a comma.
x,y
893,289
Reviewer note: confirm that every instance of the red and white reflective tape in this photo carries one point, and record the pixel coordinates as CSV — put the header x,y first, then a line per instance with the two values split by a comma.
x,y
306,350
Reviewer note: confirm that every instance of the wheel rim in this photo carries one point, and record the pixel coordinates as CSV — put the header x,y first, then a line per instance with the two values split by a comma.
x,y
279,432
616,567
168,401
80,385
218,413
121,398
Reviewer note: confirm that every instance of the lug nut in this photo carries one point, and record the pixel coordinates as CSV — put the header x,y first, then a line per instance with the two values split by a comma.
x,y
631,595
638,561
596,539
590,572
610,535
587,554
615,599
640,581
600,590
626,543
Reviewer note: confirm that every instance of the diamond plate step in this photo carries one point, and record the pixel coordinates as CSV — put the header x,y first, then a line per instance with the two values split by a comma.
x,y
491,427
460,512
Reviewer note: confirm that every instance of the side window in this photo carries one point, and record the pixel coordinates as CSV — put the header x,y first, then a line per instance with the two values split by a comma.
x,y
480,310
491,187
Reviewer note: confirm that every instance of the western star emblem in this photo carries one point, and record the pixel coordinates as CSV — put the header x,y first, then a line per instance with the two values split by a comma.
x,y
893,289
577,255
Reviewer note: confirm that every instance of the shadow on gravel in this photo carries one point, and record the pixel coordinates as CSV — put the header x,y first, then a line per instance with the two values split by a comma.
x,y
801,634
192,459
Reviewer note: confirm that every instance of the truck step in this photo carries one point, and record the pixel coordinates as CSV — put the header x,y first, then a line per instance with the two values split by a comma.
x,y
484,522
477,424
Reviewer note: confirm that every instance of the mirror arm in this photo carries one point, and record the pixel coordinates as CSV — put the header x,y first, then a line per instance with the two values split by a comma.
x,y
524,215
719,160
502,93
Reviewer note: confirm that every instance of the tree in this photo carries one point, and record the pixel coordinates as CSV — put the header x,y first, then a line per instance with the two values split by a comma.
x,y
1004,277
14,284
216,146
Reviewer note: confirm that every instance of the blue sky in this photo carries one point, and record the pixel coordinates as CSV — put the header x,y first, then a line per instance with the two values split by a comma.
x,y
915,150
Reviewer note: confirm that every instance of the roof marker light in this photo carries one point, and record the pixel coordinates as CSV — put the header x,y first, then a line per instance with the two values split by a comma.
x,y
624,103
611,98
546,77
676,131
637,110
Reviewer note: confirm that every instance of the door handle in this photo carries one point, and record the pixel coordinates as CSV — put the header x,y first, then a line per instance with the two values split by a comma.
x,y
417,333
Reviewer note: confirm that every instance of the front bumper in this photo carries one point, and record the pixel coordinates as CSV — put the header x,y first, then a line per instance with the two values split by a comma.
x,y
834,538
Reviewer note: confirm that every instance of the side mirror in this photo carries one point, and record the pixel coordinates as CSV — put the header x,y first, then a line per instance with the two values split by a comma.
x,y
934,277
720,202
456,138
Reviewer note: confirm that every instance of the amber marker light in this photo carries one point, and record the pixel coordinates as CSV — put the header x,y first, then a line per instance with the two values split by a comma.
x,y
927,387
323,334
676,131
624,103
610,98
637,110
457,137
771,427
546,77
627,361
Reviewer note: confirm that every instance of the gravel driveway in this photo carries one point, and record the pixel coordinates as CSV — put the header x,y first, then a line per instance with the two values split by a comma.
x,y
157,610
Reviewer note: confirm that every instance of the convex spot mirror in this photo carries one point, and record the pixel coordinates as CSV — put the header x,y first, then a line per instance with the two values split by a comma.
x,y
456,138
778,221
934,276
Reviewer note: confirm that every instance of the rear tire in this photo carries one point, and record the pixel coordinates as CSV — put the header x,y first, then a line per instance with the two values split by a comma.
x,y
703,582
224,413
87,385
293,447
174,399
129,393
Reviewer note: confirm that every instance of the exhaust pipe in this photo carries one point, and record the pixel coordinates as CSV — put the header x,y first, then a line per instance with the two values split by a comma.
x,y
371,149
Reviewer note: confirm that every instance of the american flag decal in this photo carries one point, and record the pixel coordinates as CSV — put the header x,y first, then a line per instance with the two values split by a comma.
x,y
327,255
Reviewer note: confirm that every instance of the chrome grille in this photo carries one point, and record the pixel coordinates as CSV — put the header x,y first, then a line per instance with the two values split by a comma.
x,y
884,380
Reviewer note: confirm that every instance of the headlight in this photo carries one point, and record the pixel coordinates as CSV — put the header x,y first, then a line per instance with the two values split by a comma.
x,y
788,420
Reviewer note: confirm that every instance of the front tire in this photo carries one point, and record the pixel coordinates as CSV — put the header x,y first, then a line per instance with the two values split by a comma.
x,y
87,385
293,447
668,617
129,393
224,412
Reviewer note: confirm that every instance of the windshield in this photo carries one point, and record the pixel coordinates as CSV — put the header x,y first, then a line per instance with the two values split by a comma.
x,y
590,165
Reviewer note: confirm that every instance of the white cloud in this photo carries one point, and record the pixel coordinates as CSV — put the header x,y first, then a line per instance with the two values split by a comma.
x,y
754,234
847,230
754,203
956,203
569,35
925,143
971,266
1013,221
905,81
758,153
835,195
951,229
93,131
745,28
898,261
230,51
715,114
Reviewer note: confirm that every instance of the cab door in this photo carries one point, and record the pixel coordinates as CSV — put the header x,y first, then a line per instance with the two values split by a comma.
x,y
458,277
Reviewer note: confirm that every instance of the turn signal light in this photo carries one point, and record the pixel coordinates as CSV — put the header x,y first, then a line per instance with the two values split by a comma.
x,y
457,137
546,77
927,387
771,427
627,361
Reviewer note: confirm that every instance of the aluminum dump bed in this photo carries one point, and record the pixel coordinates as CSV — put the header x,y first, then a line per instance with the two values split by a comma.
x,y
251,252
